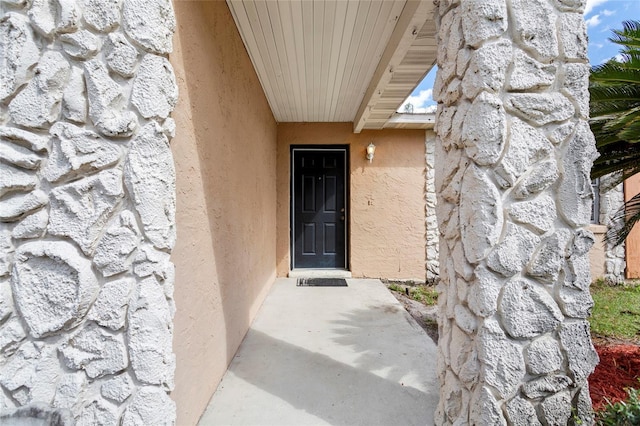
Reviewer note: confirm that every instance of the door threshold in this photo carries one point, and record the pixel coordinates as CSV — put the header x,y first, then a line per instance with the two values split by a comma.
x,y
320,273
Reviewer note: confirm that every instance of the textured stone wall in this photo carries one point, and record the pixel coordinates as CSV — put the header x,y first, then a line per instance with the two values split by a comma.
x,y
611,200
87,205
513,157
433,234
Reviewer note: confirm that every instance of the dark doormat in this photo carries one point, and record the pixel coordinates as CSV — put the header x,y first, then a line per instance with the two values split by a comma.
x,y
322,282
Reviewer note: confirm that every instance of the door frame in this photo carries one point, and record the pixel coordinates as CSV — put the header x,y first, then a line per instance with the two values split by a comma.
x,y
347,207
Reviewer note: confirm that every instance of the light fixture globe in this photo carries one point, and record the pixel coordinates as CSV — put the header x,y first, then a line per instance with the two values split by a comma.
x,y
371,150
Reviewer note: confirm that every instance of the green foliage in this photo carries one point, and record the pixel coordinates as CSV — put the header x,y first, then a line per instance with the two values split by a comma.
x,y
623,413
425,294
616,312
615,120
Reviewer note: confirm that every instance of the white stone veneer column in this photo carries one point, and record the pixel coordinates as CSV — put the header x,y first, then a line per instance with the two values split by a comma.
x,y
433,234
611,200
87,206
513,157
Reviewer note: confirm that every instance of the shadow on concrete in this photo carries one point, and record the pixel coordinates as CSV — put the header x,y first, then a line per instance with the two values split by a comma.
x,y
367,333
332,391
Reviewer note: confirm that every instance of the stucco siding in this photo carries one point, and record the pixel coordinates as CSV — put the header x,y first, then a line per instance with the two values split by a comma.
x,y
225,157
387,201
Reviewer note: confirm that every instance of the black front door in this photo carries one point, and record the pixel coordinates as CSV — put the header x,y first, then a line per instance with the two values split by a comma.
x,y
318,208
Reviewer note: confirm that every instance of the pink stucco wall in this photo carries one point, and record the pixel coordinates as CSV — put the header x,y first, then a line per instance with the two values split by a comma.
x,y
225,157
387,199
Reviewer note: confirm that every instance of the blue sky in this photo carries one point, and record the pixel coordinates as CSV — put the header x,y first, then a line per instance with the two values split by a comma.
x,y
601,17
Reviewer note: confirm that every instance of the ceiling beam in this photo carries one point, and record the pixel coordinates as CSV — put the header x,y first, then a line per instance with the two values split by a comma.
x,y
412,19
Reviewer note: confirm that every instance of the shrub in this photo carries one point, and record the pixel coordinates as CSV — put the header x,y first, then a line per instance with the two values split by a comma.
x,y
623,413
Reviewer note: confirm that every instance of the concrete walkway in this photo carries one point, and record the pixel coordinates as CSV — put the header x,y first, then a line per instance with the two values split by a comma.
x,y
329,355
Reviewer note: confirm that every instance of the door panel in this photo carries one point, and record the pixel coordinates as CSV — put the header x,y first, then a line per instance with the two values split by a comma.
x,y
319,211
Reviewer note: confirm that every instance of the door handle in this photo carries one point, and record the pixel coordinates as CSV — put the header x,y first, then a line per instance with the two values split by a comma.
x,y
342,210
342,218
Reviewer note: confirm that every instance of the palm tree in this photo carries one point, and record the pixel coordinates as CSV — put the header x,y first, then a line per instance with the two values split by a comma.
x,y
615,121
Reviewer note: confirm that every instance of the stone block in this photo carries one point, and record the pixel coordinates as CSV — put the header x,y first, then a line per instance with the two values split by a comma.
x,y
113,252
96,351
483,20
150,23
52,17
556,408
487,68
23,138
38,105
73,216
503,363
32,226
19,156
520,412
575,81
74,97
584,409
15,179
539,213
540,108
149,406
461,347
70,391
102,15
6,299
549,257
98,413
481,214
543,356
575,338
527,310
527,146
110,308
575,194
53,286
452,396
81,44
155,92
545,386
149,334
106,101
12,333
18,52
118,389
535,28
539,178
573,37
465,319
15,206
510,255
561,132
121,56
483,293
150,180
77,151
529,74
485,409
484,130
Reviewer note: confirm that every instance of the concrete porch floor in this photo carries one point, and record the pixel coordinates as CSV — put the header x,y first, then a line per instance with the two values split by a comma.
x,y
329,355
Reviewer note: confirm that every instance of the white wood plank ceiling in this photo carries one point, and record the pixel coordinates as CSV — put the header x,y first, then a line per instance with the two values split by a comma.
x,y
331,60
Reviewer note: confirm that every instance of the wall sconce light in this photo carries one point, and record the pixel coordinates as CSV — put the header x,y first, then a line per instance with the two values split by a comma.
x,y
371,150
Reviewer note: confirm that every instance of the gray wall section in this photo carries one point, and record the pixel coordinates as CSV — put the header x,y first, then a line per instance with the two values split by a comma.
x,y
87,210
